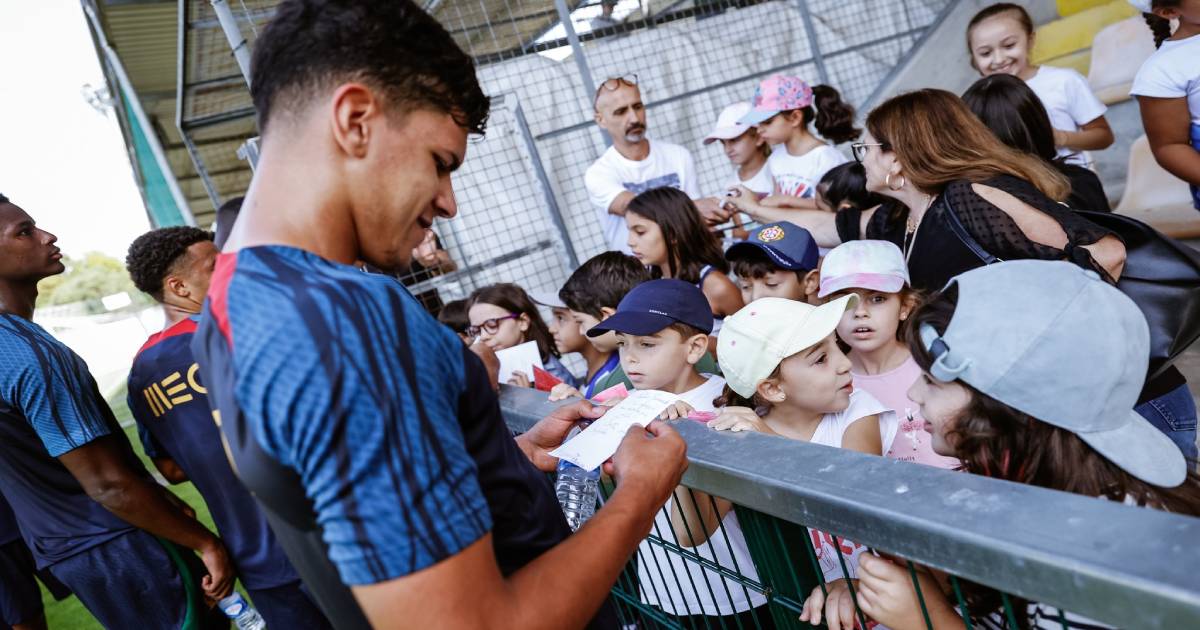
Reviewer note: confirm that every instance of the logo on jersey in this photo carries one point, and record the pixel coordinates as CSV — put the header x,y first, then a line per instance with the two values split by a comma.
x,y
173,390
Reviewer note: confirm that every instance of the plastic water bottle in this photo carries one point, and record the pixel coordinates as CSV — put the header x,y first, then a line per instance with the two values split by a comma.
x,y
576,490
243,616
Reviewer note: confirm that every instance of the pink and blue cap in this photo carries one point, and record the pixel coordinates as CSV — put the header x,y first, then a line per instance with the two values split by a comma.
x,y
871,265
777,94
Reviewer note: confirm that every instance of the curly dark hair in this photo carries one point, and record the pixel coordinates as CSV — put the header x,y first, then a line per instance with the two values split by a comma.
x,y
393,46
154,254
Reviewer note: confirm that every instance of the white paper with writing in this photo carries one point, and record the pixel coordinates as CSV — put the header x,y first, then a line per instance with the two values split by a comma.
x,y
520,358
599,441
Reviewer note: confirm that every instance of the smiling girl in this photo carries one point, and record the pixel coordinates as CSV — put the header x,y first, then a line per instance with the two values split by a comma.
x,y
1000,40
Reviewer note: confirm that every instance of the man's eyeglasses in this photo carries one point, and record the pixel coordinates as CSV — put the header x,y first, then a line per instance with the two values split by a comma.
x,y
860,149
489,325
612,84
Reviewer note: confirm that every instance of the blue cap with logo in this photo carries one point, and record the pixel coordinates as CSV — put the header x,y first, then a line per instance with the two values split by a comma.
x,y
786,244
654,305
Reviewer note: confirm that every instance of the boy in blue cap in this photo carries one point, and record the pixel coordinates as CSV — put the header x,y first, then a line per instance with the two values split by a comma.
x,y
662,329
777,260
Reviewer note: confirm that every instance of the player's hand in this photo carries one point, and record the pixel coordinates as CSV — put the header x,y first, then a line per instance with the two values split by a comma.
x,y
219,581
739,419
519,379
490,361
678,409
563,391
549,433
649,463
837,608
713,210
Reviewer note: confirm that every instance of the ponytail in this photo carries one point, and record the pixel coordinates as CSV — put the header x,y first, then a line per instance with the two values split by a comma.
x,y
834,118
1161,28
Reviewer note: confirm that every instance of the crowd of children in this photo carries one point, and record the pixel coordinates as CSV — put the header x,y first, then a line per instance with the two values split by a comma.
x,y
835,347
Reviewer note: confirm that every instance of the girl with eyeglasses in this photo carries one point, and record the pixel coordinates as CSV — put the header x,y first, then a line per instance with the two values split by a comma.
x,y
502,316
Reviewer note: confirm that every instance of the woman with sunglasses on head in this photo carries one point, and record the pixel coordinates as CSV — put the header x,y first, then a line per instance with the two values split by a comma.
x,y
502,316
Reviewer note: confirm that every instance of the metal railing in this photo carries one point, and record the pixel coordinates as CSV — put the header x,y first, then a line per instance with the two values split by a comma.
x,y
1116,564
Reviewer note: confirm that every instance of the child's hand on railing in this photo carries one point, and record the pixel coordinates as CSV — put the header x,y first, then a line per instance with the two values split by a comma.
x,y
739,419
886,594
678,409
563,391
837,608
520,379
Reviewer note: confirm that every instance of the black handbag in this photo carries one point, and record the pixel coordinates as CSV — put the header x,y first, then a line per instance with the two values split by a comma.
x,y
1161,275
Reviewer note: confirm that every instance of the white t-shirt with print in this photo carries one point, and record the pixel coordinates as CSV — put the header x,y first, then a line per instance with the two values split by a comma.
x,y
1070,103
798,175
666,165
661,574
830,433
1173,71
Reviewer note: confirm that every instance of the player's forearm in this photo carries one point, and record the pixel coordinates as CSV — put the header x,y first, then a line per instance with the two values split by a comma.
x,y
143,504
581,570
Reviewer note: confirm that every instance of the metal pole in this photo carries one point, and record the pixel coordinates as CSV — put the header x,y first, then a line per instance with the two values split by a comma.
x,y
544,183
241,50
810,31
581,64
135,107
201,170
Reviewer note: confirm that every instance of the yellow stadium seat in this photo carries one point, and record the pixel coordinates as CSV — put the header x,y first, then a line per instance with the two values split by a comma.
x,y
1157,197
1071,7
1075,32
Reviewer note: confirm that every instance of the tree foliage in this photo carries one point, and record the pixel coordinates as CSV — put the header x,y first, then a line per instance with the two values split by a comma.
x,y
87,279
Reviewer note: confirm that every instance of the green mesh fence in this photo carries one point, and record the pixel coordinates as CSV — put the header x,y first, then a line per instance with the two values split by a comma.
x,y
672,582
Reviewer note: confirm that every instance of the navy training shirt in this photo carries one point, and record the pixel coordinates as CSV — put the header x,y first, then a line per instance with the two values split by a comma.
x,y
170,404
9,531
387,421
49,405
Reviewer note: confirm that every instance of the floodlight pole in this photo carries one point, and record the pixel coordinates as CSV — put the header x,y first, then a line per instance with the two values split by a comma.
x,y
233,33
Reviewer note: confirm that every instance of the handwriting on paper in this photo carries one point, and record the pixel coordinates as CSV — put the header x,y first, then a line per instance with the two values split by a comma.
x,y
599,441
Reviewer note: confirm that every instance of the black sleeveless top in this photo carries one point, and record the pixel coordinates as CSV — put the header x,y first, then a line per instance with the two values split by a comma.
x,y
937,254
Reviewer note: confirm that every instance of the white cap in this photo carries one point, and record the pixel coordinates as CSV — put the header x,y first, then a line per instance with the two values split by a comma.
x,y
874,265
1142,5
728,126
755,340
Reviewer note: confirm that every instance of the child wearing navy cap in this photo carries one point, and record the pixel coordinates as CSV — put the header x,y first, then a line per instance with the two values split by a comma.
x,y
777,260
662,329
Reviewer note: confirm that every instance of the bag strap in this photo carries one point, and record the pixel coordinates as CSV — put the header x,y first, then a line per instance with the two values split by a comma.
x,y
963,235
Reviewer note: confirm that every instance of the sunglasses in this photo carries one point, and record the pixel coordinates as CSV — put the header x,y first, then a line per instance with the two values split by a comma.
x,y
859,149
490,326
612,84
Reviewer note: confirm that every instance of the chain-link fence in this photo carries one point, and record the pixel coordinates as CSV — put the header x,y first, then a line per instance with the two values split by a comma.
x,y
524,212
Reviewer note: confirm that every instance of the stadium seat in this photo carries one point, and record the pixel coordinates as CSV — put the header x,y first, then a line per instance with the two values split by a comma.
x,y
1059,43
1119,51
1071,7
1157,197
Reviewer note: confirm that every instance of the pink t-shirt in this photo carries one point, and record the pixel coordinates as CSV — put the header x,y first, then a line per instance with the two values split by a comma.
x,y
912,442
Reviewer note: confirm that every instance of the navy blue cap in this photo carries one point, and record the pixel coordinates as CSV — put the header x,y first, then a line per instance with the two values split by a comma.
x,y
788,245
654,305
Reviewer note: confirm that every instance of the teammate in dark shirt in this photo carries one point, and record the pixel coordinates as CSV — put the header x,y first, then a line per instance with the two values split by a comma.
x,y
365,428
87,509
170,404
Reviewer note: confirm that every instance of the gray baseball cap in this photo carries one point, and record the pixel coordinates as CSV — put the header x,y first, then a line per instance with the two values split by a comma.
x,y
1056,342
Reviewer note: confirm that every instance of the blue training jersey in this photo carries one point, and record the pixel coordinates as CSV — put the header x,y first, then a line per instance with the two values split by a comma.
x,y
387,421
170,404
49,405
